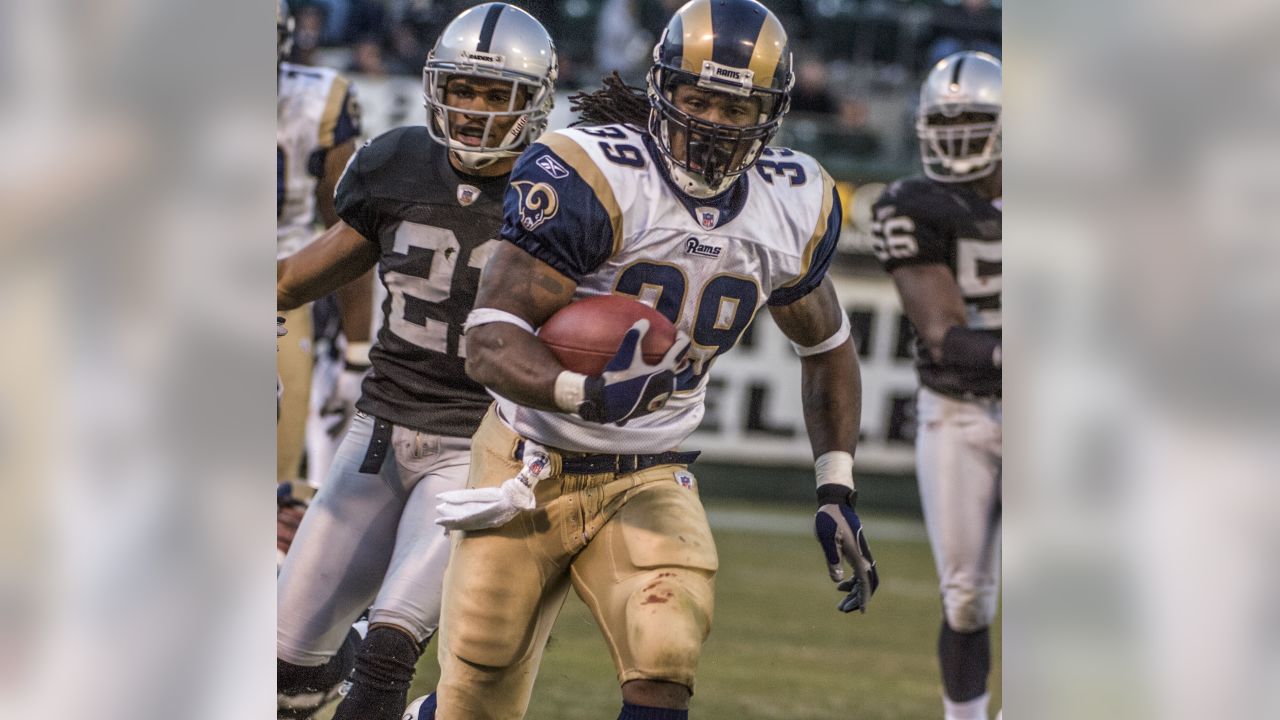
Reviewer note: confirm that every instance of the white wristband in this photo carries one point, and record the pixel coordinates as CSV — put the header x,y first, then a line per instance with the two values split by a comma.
x,y
571,390
484,316
357,353
834,468
830,343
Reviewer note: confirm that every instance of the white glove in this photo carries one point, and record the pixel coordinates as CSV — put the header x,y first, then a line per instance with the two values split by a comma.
x,y
483,508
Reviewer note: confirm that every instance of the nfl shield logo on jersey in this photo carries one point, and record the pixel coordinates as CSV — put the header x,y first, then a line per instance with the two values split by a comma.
x,y
708,216
685,479
467,194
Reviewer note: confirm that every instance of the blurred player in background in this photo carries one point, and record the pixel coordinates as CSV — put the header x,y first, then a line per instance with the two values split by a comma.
x,y
317,123
425,203
601,498
939,237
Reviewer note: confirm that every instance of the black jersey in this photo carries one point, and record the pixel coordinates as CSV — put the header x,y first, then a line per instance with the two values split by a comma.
x,y
918,221
436,228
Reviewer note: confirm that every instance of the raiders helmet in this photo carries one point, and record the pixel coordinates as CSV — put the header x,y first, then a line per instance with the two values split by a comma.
x,y
284,31
731,46
958,121
497,41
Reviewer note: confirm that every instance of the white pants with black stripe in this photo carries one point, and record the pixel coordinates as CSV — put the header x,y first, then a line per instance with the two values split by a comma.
x,y
369,540
958,467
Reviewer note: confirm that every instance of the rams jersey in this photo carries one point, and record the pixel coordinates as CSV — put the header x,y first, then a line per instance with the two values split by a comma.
x,y
598,205
315,111
435,228
918,221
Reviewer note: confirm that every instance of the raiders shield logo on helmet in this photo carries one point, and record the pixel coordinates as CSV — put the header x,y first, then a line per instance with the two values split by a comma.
x,y
467,194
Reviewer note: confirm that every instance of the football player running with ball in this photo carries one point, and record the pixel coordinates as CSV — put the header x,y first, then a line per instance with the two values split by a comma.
x,y
578,480
425,204
939,237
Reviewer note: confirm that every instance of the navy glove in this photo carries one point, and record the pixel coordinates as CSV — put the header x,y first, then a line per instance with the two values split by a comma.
x,y
631,387
839,533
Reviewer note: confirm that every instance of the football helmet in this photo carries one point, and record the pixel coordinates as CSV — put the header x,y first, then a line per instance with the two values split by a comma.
x,y
958,122
284,31
497,41
730,46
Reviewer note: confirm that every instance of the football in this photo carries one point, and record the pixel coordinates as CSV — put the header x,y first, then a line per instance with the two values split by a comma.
x,y
585,335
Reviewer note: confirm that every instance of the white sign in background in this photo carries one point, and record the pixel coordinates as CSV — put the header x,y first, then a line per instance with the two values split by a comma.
x,y
766,374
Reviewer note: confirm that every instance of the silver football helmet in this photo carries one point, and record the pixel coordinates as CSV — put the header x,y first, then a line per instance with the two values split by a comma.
x,y
958,121
495,41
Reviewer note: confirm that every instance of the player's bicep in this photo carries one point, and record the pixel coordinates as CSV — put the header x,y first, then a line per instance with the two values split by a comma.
x,y
812,319
519,283
931,299
335,162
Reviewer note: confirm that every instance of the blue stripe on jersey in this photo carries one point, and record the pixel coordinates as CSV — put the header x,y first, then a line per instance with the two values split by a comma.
x,y
735,33
822,255
556,218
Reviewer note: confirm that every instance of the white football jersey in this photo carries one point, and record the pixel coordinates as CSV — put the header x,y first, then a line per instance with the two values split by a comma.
x,y
315,111
598,205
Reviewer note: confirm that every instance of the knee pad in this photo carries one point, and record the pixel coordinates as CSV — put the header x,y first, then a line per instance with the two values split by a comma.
x,y
668,618
968,610
302,690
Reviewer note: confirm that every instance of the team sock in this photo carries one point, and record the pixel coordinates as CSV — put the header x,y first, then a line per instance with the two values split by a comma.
x,y
965,660
383,672
641,712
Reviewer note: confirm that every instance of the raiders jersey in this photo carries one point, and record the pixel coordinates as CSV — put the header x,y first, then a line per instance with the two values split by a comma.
x,y
598,205
315,110
918,221
436,229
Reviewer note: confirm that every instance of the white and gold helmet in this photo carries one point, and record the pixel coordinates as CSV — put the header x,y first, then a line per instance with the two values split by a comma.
x,y
495,41
958,121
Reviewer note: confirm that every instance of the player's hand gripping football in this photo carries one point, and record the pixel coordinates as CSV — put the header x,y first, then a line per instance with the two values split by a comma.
x,y
840,533
630,387
483,508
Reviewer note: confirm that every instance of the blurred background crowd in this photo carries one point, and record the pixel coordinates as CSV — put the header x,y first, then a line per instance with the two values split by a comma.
x,y
858,62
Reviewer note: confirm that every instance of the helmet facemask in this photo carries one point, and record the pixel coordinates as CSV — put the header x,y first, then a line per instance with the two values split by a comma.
x,y
530,115
713,154
961,146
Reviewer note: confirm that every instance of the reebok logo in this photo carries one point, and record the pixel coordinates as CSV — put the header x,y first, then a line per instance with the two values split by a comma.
x,y
693,246
552,167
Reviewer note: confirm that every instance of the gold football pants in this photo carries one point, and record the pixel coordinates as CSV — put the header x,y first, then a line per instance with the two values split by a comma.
x,y
636,548
293,364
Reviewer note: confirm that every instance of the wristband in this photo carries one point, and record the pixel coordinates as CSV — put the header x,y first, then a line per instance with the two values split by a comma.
x,y
834,468
570,390
485,316
356,356
966,347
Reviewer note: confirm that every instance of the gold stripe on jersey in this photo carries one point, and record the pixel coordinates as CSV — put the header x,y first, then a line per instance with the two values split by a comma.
x,y
699,37
768,49
577,158
823,216
332,111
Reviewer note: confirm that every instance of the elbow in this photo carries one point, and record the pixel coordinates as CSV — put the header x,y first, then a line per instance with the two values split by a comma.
x,y
479,364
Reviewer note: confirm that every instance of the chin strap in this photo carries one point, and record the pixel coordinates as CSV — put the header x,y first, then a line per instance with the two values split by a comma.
x,y
691,184
478,160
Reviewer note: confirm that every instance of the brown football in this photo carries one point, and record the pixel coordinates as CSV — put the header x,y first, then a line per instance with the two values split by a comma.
x,y
585,335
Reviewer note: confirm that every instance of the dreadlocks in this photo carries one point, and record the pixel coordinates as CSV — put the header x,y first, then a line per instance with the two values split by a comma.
x,y
616,102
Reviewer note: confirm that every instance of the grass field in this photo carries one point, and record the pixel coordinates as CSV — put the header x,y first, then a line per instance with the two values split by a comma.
x,y
778,649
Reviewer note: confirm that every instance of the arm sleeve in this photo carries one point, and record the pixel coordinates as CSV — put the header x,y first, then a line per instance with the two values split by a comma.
x,y
352,201
906,230
821,249
552,213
